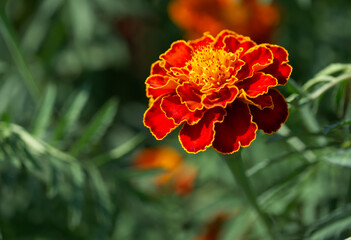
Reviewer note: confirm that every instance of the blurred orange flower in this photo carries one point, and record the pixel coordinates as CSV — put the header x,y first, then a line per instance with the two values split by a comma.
x,y
214,227
247,17
178,176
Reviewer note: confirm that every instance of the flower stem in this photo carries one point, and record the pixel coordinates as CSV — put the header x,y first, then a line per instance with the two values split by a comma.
x,y
238,170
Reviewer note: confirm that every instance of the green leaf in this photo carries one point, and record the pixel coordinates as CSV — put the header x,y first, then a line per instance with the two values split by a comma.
x,y
78,182
334,68
69,119
330,127
118,151
340,157
331,225
38,28
103,204
8,91
8,35
45,112
96,129
285,183
63,175
82,20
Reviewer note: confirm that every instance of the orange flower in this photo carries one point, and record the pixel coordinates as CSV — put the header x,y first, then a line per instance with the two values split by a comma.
x,y
179,176
247,17
162,157
214,227
220,89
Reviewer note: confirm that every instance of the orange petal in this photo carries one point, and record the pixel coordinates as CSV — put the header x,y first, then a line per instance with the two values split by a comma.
x,y
157,85
176,110
256,58
270,119
232,44
219,44
178,54
190,95
262,101
158,68
201,42
198,137
237,130
221,98
257,85
280,69
155,119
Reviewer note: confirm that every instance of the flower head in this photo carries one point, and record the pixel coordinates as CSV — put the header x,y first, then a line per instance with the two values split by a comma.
x,y
248,17
220,90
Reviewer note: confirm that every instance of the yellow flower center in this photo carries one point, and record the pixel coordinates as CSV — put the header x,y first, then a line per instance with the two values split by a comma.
x,y
211,67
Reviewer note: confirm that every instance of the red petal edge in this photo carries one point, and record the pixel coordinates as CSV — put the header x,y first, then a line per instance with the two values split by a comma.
x,y
157,85
270,119
258,84
201,42
155,119
158,68
257,58
179,112
178,54
190,95
198,137
237,130
221,98
234,43
280,69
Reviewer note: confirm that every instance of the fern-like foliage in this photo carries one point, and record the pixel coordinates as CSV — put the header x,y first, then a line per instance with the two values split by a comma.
x,y
56,175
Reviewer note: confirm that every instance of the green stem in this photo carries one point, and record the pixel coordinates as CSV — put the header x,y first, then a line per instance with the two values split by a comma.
x,y
7,33
238,170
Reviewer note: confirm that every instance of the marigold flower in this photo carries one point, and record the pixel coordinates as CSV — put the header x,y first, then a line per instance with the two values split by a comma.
x,y
220,89
247,17
178,176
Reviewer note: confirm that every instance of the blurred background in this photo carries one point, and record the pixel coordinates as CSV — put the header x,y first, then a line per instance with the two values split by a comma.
x,y
76,161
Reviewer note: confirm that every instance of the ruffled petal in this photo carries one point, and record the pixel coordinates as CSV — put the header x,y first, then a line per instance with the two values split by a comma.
x,y
219,42
270,119
178,54
157,68
262,101
175,109
233,44
257,58
221,98
257,85
155,119
157,85
198,137
237,130
280,69
190,95
201,42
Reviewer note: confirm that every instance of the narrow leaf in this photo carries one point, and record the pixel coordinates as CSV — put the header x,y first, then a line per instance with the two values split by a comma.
x,y
99,124
331,225
8,34
119,151
340,157
45,112
70,117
